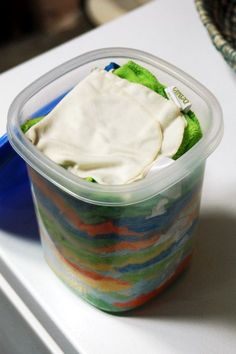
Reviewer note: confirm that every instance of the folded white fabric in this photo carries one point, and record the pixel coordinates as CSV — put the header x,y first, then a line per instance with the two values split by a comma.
x,y
109,129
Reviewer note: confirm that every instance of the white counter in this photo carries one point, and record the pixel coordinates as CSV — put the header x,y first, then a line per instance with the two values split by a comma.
x,y
198,313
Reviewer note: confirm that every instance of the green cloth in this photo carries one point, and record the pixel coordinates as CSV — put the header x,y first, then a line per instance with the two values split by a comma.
x,y
135,73
90,179
29,123
192,134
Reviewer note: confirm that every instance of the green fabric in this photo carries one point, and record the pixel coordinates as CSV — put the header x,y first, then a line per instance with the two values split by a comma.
x,y
192,134
90,179
29,123
136,73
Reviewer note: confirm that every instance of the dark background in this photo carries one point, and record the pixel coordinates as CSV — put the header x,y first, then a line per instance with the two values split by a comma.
x,y
31,27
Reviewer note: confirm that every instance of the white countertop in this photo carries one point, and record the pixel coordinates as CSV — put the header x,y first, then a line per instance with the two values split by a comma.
x,y
198,313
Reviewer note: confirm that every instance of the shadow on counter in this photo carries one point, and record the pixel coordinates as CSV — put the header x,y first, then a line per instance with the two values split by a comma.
x,y
207,290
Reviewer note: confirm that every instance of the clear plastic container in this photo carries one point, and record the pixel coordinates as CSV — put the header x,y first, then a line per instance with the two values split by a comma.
x,y
116,246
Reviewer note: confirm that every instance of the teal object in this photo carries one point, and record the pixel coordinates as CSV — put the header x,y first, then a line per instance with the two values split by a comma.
x,y
111,66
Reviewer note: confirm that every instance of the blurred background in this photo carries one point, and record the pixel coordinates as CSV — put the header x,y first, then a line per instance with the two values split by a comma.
x,y
31,27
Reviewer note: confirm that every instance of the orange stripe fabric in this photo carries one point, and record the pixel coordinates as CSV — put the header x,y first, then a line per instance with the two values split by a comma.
x,y
91,230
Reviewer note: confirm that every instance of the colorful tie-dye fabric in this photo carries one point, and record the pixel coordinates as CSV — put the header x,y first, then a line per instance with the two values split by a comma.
x,y
117,258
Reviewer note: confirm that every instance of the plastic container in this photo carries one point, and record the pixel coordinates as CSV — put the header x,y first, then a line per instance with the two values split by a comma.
x,y
116,246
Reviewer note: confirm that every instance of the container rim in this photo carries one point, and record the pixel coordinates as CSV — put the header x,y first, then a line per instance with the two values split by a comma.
x,y
135,192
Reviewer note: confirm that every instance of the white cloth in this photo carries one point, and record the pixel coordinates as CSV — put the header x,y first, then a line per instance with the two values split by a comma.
x,y
109,129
